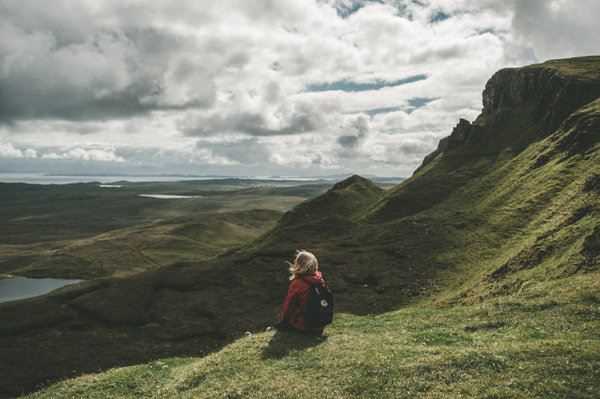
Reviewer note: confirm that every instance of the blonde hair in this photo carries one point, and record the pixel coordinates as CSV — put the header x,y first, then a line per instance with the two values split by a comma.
x,y
305,263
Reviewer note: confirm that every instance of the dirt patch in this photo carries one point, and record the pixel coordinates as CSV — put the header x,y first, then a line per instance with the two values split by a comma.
x,y
579,214
526,259
488,326
591,249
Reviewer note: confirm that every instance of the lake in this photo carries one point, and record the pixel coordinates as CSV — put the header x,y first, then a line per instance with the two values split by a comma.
x,y
15,288
168,196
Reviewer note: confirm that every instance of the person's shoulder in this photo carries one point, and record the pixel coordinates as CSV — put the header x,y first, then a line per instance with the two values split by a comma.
x,y
299,282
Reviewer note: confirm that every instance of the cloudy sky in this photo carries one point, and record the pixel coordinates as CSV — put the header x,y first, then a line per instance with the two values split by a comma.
x,y
262,87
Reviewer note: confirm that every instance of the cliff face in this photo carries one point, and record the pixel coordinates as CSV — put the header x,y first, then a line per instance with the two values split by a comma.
x,y
545,91
522,105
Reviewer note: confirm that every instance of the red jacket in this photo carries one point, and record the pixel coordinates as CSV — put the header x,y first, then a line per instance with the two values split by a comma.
x,y
292,310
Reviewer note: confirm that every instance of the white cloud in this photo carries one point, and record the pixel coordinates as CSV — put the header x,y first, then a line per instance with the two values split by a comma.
x,y
85,154
7,150
221,86
558,28
30,153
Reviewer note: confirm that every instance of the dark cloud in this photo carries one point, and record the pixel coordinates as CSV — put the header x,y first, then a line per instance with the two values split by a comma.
x,y
409,151
246,152
272,93
412,148
304,118
360,126
76,127
441,52
348,141
63,64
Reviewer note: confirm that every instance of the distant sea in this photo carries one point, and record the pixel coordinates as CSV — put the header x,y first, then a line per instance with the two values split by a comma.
x,y
40,178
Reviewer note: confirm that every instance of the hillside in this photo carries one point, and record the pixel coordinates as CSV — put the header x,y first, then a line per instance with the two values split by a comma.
x,y
479,276
50,230
345,200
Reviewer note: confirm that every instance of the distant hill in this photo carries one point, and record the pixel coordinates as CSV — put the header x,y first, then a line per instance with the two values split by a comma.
x,y
505,214
346,199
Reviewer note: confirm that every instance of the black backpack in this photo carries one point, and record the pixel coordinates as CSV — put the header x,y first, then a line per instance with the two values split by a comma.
x,y
319,307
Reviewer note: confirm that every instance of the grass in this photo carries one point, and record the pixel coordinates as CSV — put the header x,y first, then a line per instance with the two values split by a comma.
x,y
586,67
498,349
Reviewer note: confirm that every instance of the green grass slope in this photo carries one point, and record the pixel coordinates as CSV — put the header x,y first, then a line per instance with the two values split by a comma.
x,y
140,247
493,350
477,277
344,200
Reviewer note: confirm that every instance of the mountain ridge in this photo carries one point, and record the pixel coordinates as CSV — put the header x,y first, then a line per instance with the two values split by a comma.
x,y
542,96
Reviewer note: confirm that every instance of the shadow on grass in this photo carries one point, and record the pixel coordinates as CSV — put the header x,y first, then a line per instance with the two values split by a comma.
x,y
284,342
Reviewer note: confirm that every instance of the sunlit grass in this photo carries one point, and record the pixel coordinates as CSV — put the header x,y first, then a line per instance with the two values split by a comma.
x,y
513,348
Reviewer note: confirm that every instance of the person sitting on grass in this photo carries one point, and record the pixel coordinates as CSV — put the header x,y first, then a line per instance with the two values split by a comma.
x,y
308,306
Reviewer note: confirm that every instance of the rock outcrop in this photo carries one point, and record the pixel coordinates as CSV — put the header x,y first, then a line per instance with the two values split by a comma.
x,y
522,105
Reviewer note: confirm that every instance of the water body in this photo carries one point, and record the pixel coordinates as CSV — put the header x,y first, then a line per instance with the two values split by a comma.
x,y
40,178
15,288
169,196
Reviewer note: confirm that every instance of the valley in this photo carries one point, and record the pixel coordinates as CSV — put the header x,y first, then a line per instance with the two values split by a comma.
x,y
90,230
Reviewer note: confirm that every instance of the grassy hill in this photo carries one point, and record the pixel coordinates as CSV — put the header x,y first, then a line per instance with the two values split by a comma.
x,y
495,350
477,277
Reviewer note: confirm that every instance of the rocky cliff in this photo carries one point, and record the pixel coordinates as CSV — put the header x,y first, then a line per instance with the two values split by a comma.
x,y
522,105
